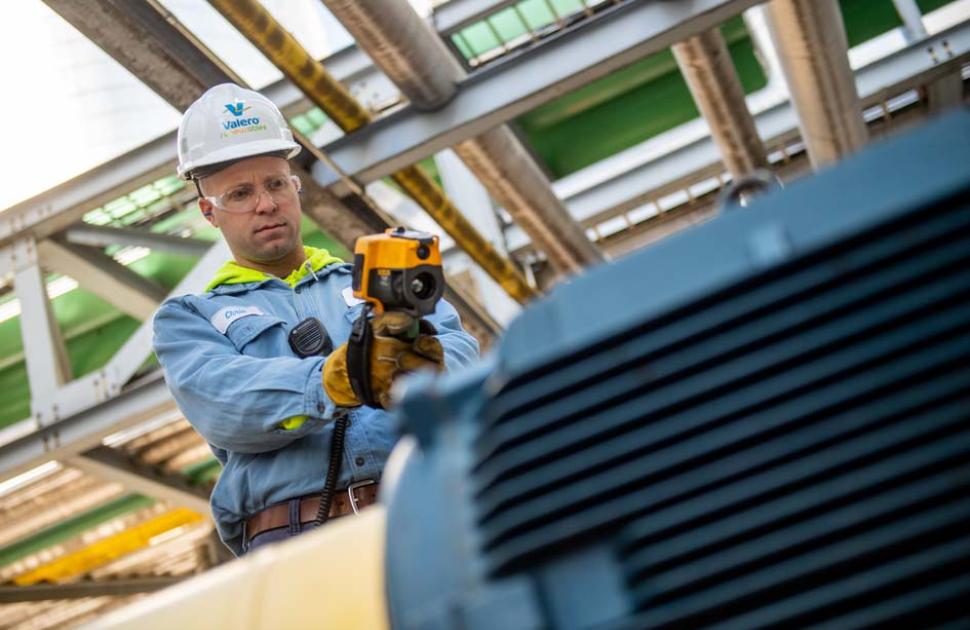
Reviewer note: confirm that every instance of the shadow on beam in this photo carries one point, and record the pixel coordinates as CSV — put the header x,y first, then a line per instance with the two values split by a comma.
x,y
130,586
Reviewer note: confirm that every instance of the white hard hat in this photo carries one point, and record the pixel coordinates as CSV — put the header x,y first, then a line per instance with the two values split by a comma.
x,y
229,123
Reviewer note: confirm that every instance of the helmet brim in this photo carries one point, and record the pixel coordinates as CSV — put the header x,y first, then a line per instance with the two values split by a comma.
x,y
238,152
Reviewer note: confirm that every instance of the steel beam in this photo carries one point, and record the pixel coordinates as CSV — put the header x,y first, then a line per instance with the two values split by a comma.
x,y
140,36
460,183
111,465
455,15
646,174
64,407
58,208
95,406
103,236
333,216
74,397
76,417
83,589
706,206
61,206
912,18
900,71
565,61
55,209
130,357
287,54
409,53
757,24
85,430
47,364
946,92
150,35
105,277
350,65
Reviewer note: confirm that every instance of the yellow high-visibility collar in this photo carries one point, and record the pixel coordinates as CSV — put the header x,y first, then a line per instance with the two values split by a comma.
x,y
234,273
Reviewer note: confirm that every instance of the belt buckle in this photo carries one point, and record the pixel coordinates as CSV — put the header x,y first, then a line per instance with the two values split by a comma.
x,y
354,486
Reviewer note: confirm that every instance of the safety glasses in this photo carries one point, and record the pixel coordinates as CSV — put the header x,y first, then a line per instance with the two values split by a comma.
x,y
245,197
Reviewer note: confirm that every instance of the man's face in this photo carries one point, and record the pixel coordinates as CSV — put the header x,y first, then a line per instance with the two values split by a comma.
x,y
271,231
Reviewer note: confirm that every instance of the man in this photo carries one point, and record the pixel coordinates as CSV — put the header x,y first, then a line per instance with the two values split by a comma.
x,y
267,406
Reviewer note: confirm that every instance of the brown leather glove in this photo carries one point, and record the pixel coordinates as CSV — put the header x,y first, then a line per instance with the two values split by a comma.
x,y
390,356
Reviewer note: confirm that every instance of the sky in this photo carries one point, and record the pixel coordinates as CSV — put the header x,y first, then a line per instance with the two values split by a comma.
x,y
67,106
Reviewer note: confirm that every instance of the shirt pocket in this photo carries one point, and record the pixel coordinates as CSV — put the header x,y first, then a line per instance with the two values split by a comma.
x,y
257,335
353,312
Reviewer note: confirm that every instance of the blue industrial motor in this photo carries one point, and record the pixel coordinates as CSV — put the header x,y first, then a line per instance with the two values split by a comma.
x,y
760,422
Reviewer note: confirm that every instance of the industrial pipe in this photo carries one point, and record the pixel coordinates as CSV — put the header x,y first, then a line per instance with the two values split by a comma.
x,y
310,76
811,41
412,55
706,64
404,47
511,176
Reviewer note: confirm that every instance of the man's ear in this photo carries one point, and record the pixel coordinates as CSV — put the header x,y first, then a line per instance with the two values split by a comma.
x,y
206,207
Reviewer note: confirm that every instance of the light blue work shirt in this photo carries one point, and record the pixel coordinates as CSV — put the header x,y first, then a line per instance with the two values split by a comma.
x,y
232,372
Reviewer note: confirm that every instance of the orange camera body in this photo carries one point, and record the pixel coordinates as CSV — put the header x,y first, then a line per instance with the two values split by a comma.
x,y
399,270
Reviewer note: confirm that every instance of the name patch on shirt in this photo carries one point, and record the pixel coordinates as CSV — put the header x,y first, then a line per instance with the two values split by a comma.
x,y
226,316
349,297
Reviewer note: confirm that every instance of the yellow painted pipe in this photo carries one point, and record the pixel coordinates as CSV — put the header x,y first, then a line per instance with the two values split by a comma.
x,y
108,549
261,28
308,74
426,192
332,577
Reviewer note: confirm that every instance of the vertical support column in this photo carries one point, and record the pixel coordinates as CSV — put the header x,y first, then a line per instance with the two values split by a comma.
x,y
942,93
460,184
912,18
45,354
810,38
946,92
757,23
706,64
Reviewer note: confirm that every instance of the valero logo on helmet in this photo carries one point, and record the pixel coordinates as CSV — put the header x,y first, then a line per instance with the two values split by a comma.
x,y
237,124
229,123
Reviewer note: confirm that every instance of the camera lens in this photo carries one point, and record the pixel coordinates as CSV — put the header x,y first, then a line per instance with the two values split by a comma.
x,y
423,286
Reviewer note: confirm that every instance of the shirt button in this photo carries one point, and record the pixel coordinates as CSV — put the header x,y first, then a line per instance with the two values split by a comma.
x,y
321,407
359,461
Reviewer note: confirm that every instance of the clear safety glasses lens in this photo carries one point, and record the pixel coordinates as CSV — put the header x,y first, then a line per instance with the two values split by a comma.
x,y
245,198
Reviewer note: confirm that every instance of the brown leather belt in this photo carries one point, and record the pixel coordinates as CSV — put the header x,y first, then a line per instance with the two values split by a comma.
x,y
358,496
